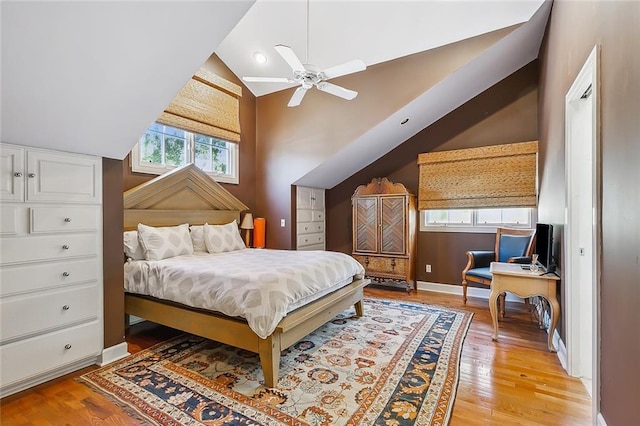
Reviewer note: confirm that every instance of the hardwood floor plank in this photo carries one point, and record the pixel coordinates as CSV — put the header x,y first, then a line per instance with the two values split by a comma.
x,y
515,381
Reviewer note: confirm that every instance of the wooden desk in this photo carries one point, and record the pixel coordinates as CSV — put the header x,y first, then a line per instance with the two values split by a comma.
x,y
521,282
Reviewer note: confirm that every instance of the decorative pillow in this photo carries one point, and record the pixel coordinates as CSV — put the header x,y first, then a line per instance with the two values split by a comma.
x,y
132,247
197,238
221,238
162,243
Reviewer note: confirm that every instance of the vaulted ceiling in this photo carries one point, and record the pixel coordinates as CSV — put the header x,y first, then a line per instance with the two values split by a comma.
x,y
90,77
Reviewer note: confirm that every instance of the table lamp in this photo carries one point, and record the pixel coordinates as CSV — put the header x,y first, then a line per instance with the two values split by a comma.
x,y
247,225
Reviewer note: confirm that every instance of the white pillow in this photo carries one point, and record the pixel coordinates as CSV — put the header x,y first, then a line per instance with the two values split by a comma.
x,y
132,247
197,238
221,238
162,243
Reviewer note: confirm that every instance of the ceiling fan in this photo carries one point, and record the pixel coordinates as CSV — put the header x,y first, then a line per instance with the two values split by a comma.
x,y
308,76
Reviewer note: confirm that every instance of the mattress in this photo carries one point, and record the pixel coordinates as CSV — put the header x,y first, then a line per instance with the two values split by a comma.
x,y
259,285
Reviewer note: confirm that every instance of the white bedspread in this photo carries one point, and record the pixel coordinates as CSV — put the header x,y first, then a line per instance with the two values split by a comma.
x,y
259,285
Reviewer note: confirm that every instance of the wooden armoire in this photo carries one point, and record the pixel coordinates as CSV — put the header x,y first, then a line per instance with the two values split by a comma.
x,y
384,232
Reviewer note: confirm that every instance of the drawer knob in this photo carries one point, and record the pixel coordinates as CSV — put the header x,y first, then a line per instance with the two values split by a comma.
x,y
65,308
67,346
65,274
18,174
66,247
32,175
67,219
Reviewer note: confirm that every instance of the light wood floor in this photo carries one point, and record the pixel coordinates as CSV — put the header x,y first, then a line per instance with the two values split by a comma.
x,y
515,381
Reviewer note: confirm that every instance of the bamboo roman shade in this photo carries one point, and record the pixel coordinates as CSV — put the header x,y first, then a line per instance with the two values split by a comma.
x,y
209,105
490,176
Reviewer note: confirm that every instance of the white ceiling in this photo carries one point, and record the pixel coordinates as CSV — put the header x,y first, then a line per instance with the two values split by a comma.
x,y
90,77
371,30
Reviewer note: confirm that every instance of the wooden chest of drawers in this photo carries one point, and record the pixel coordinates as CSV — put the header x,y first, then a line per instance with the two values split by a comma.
x,y
384,232
384,267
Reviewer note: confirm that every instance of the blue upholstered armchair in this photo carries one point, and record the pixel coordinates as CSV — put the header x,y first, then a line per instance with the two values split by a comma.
x,y
512,245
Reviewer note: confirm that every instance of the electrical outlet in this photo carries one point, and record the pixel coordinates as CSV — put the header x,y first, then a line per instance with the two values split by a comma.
x,y
282,223
428,268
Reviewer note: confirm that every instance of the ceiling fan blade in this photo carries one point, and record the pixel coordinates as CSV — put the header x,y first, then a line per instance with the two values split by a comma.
x,y
297,97
268,79
337,90
347,68
290,57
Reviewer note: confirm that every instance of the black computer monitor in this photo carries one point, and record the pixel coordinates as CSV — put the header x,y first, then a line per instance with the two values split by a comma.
x,y
544,246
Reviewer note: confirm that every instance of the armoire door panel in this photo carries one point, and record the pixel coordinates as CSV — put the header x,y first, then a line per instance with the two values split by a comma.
x,y
366,225
393,235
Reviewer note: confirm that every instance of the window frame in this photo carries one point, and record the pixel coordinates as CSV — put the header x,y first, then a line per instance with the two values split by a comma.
x,y
138,166
474,226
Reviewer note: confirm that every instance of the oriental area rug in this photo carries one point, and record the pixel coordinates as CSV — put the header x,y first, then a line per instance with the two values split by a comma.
x,y
397,365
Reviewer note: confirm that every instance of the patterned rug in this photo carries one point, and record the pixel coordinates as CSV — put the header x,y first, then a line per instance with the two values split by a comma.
x,y
397,365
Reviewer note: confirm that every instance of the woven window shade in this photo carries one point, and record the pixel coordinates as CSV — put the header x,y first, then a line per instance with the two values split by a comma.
x,y
491,176
209,105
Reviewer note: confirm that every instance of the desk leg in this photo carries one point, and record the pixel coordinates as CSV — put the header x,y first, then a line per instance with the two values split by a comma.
x,y
555,313
493,308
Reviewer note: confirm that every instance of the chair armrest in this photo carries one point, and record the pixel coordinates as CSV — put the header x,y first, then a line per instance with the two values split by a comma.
x,y
520,259
480,258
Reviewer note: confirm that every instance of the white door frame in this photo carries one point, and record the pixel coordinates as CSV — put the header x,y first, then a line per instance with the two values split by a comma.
x,y
587,79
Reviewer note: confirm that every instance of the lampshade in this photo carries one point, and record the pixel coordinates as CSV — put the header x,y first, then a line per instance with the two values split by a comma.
x,y
247,221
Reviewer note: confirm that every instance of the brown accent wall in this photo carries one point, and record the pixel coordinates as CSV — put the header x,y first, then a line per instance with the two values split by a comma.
x,y
505,113
113,274
293,141
245,191
573,30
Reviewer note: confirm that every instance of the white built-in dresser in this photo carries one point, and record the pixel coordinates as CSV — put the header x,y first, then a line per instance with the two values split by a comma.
x,y
310,234
50,264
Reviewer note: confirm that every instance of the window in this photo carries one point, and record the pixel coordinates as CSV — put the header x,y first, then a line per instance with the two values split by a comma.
x,y
163,148
476,220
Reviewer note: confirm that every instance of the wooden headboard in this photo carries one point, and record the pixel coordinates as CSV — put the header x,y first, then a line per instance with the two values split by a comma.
x,y
184,195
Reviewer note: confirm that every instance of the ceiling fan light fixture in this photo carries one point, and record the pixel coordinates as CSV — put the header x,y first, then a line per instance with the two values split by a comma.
x,y
307,76
260,58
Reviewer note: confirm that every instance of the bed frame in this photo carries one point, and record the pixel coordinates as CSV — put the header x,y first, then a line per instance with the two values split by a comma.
x,y
187,195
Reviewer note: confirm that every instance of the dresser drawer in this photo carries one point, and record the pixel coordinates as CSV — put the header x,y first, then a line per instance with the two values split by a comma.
x,y
304,216
310,239
312,247
24,316
14,220
64,219
310,227
317,215
31,357
28,249
383,266
28,278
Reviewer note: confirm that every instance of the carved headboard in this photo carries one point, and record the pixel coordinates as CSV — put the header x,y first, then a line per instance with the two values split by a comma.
x,y
184,195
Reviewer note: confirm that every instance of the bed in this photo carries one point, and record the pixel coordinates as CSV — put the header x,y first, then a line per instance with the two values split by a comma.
x,y
187,195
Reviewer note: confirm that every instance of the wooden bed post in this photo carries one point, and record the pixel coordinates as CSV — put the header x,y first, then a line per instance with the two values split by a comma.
x,y
269,351
359,306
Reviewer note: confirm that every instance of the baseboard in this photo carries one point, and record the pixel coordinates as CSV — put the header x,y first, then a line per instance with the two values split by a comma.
x,y
113,353
561,350
481,293
600,420
41,378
